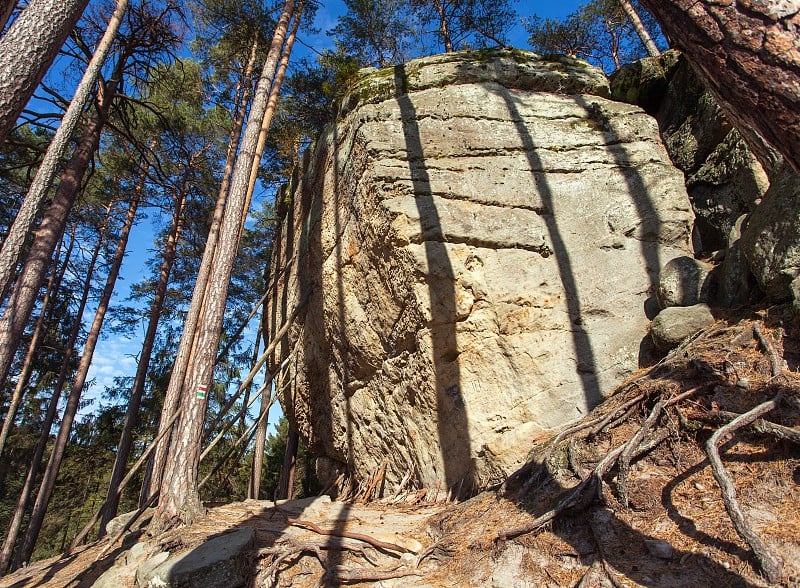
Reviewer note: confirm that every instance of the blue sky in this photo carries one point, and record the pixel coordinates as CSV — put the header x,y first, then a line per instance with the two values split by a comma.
x,y
116,355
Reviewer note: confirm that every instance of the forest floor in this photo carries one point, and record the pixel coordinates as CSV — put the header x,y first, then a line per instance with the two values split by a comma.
x,y
625,497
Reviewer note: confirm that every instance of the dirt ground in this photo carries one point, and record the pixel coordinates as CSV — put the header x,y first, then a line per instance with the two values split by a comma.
x,y
626,497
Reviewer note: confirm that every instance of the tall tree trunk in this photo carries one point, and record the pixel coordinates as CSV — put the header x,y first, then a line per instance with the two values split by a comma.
x,y
638,26
73,400
15,239
53,284
183,357
286,480
20,305
28,49
15,525
6,10
137,391
272,105
443,27
179,500
748,55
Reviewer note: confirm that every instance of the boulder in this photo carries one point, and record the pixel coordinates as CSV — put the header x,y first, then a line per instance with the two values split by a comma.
x,y
674,324
470,260
771,237
221,561
684,281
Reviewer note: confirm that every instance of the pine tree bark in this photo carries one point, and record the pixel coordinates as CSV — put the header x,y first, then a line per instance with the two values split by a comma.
x,y
51,229
186,345
272,105
6,10
137,390
7,551
640,29
46,173
73,400
53,284
179,498
747,52
28,49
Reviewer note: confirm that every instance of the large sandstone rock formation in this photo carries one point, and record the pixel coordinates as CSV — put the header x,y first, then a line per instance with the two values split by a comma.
x,y
471,246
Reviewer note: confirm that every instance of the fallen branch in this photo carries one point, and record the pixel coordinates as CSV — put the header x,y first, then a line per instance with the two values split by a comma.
x,y
386,546
769,562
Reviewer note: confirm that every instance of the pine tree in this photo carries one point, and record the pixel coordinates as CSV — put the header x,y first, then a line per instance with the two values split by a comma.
x,y
28,49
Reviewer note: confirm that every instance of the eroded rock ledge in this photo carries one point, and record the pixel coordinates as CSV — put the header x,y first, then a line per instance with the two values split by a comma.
x,y
473,243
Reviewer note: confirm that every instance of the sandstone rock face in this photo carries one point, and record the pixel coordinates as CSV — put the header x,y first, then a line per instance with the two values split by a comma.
x,y
771,238
471,246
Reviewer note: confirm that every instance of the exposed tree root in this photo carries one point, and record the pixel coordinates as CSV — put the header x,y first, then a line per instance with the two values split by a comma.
x,y
713,376
769,562
392,547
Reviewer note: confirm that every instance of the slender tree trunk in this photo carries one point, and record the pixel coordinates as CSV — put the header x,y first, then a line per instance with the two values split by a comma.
x,y
272,105
638,26
14,241
179,500
53,284
286,481
137,391
28,49
73,400
183,357
748,55
15,525
443,28
6,10
20,305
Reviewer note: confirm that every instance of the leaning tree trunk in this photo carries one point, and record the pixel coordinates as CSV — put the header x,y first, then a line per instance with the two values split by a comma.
x,y
53,284
748,54
73,400
24,497
15,239
641,31
28,49
179,500
51,229
137,390
182,359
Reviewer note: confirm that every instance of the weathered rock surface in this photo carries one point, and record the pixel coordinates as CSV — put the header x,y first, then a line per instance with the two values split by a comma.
x,y
723,177
771,237
472,244
737,285
676,323
684,281
221,561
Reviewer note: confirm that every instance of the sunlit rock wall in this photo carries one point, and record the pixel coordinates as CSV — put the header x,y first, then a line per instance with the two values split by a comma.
x,y
471,245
